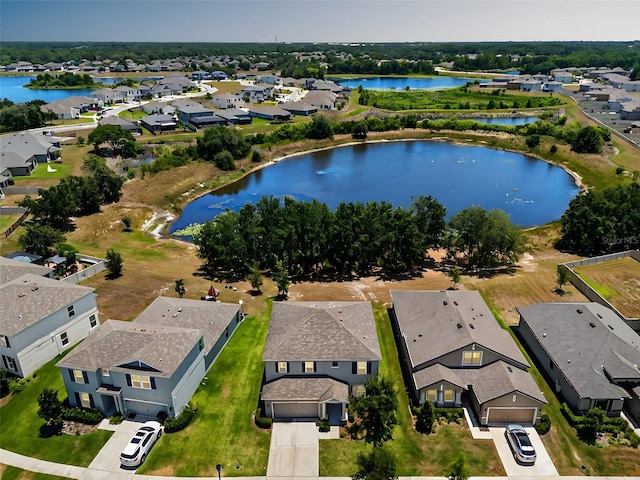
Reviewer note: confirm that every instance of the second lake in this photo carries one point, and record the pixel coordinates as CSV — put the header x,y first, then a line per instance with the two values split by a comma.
x,y
531,191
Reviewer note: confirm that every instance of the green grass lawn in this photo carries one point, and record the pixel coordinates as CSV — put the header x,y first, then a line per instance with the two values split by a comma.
x,y
14,473
62,170
7,221
416,454
222,430
602,290
20,430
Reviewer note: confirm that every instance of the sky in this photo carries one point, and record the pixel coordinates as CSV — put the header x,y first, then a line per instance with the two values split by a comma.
x,y
302,21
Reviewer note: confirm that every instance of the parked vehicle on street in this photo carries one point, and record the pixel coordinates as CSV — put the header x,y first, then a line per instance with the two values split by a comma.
x,y
136,451
520,444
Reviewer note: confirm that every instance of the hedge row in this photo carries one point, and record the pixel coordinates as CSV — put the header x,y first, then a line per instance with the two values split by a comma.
x,y
176,424
262,422
89,416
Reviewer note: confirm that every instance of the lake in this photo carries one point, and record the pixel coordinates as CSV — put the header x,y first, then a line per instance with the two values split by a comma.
x,y
531,191
401,83
13,89
511,121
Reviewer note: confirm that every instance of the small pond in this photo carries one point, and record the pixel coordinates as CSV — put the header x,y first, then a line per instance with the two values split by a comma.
x,y
401,83
531,191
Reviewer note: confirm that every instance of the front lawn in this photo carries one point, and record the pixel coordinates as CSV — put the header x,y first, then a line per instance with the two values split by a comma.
x,y
14,473
416,454
222,430
20,430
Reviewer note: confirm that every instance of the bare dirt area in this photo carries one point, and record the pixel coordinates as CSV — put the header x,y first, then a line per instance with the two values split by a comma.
x,y
620,281
76,428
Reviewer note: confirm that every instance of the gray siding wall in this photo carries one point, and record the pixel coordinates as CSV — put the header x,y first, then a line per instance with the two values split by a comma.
x,y
222,341
41,342
343,372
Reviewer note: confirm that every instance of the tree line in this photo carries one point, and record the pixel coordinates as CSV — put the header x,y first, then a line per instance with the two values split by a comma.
x,y
309,239
22,116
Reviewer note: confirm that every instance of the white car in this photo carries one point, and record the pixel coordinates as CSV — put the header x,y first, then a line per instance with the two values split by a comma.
x,y
520,444
136,451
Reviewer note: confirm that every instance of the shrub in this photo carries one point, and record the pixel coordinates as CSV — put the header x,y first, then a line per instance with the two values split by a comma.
x,y
224,160
262,422
89,416
544,425
450,415
425,418
553,149
256,157
532,141
324,425
619,170
116,419
180,422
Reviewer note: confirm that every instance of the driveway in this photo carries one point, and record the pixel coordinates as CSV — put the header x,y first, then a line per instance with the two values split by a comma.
x,y
543,467
294,450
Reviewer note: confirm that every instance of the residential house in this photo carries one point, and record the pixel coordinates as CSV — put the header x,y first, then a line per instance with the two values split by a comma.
x,y
234,116
20,153
129,94
270,113
158,107
108,95
299,108
455,353
129,126
589,354
17,264
227,100
63,109
152,365
315,356
41,317
563,77
630,111
187,111
257,93
158,123
5,177
321,99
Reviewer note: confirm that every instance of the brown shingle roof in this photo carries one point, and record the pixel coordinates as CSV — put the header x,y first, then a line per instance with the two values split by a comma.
x,y
309,389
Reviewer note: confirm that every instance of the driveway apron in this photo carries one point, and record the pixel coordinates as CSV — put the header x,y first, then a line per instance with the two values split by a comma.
x,y
543,467
107,462
294,450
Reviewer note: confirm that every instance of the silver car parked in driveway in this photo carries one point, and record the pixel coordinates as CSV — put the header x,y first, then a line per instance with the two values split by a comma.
x,y
520,444
136,451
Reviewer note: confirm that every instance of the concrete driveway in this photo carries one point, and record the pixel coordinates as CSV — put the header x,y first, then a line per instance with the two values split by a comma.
x,y
294,450
543,467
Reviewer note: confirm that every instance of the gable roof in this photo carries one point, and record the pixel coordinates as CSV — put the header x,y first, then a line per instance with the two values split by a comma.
x,y
116,345
309,331
30,298
318,389
589,343
11,269
434,323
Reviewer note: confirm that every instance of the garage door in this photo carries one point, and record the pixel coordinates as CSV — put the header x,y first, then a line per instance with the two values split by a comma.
x,y
511,415
295,410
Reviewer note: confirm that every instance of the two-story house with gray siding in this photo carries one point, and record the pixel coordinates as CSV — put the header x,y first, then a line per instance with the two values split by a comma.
x,y
41,318
153,364
455,353
590,355
316,355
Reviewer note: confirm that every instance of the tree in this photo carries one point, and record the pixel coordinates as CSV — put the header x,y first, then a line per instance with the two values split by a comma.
x,y
532,140
50,407
256,156
113,263
126,220
224,160
378,464
459,469
562,278
38,239
588,140
216,139
376,410
255,277
360,130
429,215
425,418
179,288
281,277
114,135
69,252
319,128
455,275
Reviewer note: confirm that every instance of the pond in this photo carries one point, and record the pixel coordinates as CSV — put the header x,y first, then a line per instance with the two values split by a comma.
x,y
401,83
531,191
511,121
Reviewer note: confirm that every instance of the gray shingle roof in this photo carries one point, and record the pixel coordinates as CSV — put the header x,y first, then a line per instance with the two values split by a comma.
x,y
584,345
117,343
12,269
309,389
211,318
435,323
309,331
498,379
29,298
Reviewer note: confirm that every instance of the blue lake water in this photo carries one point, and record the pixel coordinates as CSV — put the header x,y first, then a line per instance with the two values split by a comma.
x,y
401,83
531,191
13,89
511,121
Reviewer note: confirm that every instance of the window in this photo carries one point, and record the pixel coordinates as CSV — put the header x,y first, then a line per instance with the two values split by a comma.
x,y
64,338
432,396
141,381
9,363
201,344
4,341
362,368
358,390
85,400
472,358
93,321
334,364
105,372
71,311
283,367
309,367
78,376
448,395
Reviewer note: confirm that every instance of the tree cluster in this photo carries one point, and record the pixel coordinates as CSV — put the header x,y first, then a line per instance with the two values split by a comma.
x,y
222,146
602,221
64,80
120,140
22,116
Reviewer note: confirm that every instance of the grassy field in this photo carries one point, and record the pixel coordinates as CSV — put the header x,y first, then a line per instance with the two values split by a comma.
x,y
20,430
617,281
13,473
222,430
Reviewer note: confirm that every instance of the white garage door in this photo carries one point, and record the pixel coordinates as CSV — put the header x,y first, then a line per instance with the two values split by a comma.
x,y
511,415
295,410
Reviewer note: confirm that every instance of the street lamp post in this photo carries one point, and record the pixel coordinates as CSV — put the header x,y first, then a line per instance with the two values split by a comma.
x,y
219,469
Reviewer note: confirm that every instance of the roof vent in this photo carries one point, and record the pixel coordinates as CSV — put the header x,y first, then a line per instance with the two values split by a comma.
x,y
509,368
459,325
579,311
471,325
455,303
180,309
610,326
415,339
20,295
420,335
592,325
340,318
444,302
599,316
